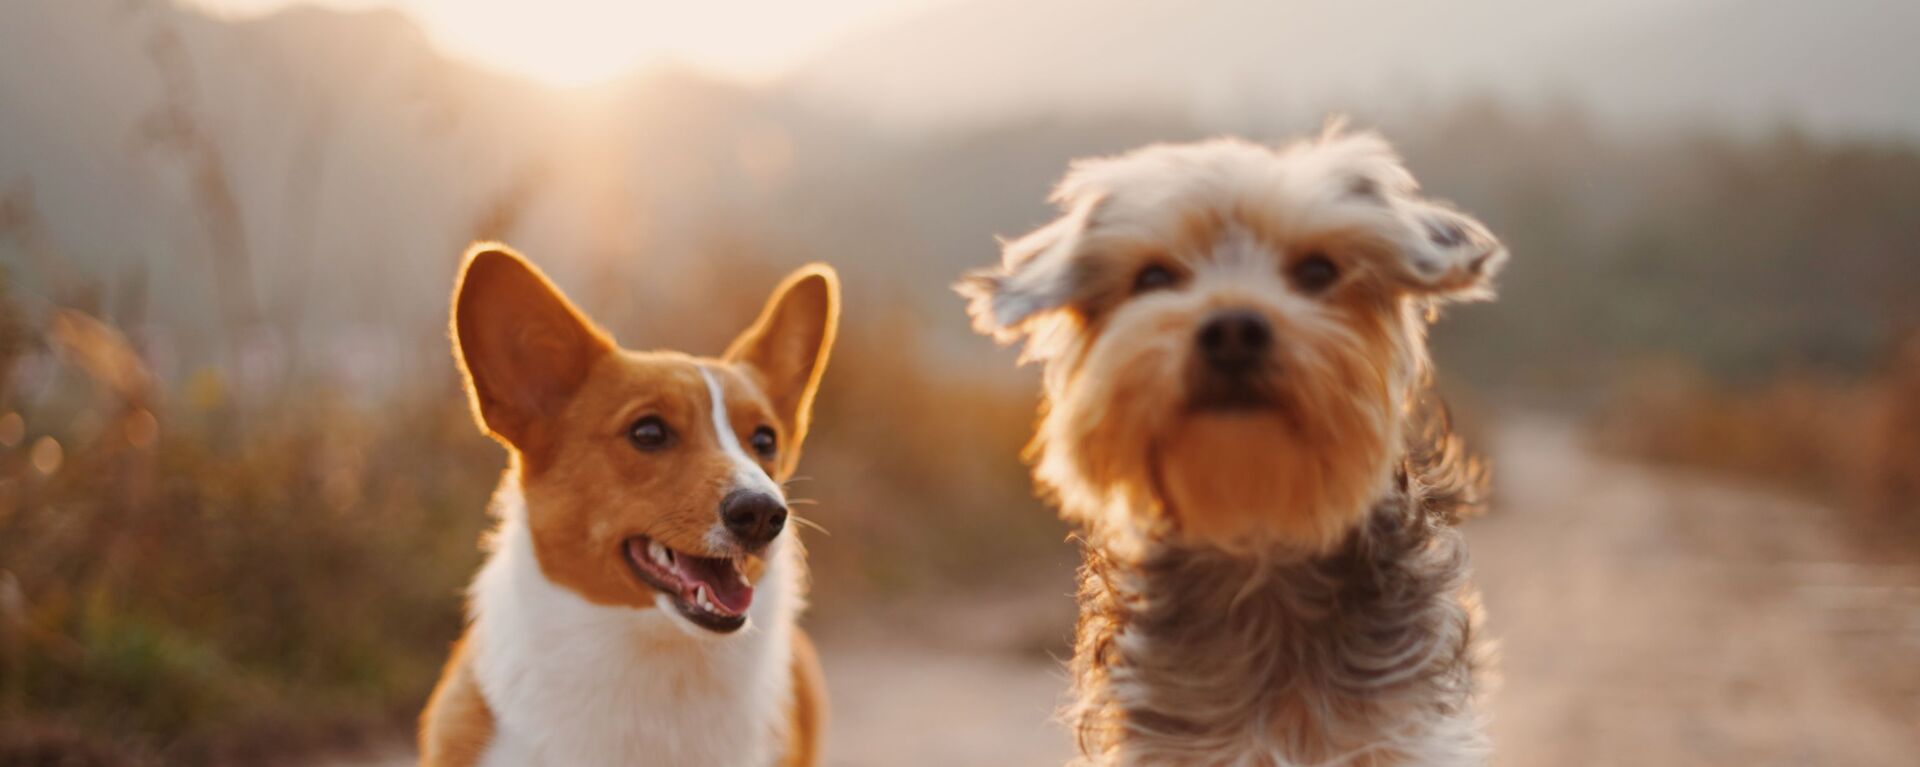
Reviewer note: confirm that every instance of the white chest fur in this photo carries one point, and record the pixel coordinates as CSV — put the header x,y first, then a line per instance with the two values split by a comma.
x,y
574,684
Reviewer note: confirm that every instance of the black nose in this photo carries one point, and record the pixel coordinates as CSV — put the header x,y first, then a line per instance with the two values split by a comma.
x,y
753,517
1235,341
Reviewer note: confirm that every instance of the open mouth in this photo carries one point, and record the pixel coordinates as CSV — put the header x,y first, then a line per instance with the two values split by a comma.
x,y
709,591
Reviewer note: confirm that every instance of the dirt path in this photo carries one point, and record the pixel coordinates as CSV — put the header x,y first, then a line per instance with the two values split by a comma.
x,y
1645,618
963,706
1649,617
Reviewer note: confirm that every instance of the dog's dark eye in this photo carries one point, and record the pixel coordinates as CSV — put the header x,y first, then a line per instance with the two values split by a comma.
x,y
1314,273
650,434
764,442
1154,277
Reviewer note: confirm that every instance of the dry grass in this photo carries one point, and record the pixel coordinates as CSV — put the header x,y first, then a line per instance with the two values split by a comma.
x,y
186,579
1855,443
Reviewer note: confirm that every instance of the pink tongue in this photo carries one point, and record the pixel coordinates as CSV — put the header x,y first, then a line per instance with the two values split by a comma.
x,y
723,582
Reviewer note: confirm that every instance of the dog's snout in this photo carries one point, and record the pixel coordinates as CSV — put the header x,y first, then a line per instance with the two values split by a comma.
x,y
754,517
1235,341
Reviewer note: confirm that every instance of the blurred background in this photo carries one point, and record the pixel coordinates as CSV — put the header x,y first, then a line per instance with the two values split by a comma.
x,y
240,491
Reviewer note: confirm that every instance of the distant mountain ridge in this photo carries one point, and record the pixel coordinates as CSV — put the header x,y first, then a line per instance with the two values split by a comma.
x,y
1843,67
1850,67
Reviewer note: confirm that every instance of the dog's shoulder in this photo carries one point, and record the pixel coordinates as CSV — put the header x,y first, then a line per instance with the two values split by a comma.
x,y
457,724
808,717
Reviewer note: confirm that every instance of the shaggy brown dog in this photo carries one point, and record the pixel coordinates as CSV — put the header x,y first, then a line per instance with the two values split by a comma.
x,y
1234,346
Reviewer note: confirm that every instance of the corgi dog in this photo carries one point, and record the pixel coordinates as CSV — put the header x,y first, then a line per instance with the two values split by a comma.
x,y
638,603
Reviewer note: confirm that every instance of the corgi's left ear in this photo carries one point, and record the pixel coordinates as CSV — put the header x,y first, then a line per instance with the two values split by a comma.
x,y
789,344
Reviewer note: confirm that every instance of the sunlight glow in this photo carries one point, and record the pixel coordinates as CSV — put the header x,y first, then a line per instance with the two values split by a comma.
x,y
585,42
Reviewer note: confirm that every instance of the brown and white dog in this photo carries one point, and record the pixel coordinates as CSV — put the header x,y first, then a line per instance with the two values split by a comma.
x,y
1235,367
639,602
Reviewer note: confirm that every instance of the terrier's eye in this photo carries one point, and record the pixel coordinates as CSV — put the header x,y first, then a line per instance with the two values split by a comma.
x,y
1154,277
764,442
650,434
1314,273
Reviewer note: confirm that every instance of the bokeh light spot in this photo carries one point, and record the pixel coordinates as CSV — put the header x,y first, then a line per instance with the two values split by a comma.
x,y
141,428
13,428
47,455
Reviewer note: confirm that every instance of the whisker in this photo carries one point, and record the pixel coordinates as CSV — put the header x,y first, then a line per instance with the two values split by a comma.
x,y
809,523
802,502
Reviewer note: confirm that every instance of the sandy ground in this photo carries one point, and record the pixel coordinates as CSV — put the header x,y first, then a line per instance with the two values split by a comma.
x,y
1653,618
1645,617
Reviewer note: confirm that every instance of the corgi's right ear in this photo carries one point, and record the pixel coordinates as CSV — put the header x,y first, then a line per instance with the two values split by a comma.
x,y
522,347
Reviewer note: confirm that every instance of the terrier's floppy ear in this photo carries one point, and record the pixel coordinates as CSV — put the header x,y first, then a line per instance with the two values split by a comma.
x,y
1446,253
1436,250
789,345
1035,275
522,347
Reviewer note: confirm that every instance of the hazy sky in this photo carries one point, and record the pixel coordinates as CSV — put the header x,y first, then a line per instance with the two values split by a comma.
x,y
584,41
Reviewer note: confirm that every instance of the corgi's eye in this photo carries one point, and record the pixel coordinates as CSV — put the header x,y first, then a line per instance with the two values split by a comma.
x,y
1314,274
650,434
1154,277
764,442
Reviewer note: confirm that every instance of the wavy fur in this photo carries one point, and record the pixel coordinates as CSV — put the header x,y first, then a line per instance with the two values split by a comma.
x,y
1275,582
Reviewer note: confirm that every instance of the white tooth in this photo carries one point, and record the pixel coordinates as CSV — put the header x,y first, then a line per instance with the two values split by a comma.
x,y
700,598
743,579
659,553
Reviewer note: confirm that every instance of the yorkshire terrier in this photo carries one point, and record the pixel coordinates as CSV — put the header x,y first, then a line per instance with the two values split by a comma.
x,y
1237,421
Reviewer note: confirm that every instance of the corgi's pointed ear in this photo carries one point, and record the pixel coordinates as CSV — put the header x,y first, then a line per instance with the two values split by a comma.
x,y
522,347
789,344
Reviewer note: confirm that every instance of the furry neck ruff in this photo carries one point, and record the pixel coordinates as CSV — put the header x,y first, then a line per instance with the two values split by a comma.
x,y
1362,657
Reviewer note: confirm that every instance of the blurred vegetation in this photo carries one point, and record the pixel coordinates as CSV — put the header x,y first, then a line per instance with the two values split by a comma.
x,y
187,579
1852,442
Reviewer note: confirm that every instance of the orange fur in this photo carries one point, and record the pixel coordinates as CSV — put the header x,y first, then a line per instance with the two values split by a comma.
x,y
561,396
1298,474
809,717
456,725
788,364
598,491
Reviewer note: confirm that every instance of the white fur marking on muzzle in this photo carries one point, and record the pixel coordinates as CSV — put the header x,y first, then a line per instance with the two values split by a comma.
x,y
747,475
